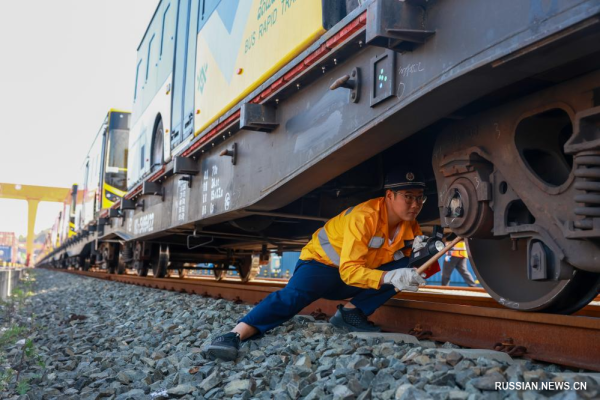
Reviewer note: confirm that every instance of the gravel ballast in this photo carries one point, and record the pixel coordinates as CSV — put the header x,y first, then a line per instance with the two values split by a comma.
x,y
107,340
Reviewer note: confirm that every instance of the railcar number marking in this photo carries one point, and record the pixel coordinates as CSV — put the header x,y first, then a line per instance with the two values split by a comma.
x,y
216,191
143,224
182,190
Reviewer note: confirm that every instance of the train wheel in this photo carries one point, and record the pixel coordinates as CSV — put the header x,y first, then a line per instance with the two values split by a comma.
x,y
140,264
121,268
141,267
81,261
125,258
160,261
110,255
248,268
502,270
219,273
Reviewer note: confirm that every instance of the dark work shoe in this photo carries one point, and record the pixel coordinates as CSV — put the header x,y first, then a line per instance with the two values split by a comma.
x,y
225,346
353,320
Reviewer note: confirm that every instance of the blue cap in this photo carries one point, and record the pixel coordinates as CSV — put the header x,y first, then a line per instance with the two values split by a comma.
x,y
403,178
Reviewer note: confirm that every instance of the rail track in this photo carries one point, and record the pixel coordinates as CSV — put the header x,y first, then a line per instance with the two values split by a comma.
x,y
469,319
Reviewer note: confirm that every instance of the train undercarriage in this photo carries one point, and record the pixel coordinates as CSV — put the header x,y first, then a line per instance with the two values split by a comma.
x,y
523,188
509,141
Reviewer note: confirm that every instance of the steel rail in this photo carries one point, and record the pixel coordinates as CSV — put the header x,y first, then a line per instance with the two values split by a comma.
x,y
476,289
469,321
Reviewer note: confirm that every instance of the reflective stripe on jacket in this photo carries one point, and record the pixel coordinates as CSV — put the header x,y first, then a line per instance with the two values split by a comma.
x,y
459,250
357,242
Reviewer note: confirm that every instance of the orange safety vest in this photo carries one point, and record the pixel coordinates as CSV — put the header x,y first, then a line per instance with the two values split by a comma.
x,y
357,242
459,250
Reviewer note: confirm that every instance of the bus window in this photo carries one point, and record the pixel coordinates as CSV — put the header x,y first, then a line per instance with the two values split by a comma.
x,y
116,159
165,24
179,72
150,58
189,92
167,43
137,80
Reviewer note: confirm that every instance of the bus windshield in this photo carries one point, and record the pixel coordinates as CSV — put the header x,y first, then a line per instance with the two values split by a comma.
x,y
116,158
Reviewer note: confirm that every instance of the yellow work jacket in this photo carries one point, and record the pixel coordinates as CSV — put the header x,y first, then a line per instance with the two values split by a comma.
x,y
459,250
357,242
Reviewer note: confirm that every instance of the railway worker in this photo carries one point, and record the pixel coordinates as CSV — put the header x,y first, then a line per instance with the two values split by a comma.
x,y
457,258
362,254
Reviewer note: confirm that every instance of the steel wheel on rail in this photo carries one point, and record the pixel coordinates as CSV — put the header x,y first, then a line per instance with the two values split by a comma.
x,y
219,272
141,267
125,258
110,256
80,264
502,270
248,268
87,264
121,265
121,268
160,261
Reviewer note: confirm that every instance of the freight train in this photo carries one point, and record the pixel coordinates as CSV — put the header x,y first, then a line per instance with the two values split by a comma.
x,y
103,182
254,122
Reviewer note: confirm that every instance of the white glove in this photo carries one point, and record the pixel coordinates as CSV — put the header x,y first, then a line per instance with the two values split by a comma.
x,y
404,279
419,242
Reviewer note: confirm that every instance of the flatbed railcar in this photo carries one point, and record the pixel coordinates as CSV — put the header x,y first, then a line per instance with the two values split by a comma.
x,y
498,102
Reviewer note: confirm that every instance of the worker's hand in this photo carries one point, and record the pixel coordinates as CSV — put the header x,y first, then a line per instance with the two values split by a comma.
x,y
404,279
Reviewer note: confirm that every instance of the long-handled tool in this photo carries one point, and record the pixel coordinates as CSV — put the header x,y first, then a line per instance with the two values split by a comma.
x,y
437,256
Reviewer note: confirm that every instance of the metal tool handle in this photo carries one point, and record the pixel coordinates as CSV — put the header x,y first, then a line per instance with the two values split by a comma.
x,y
437,256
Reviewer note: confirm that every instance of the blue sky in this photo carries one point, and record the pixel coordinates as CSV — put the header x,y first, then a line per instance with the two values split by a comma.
x,y
64,64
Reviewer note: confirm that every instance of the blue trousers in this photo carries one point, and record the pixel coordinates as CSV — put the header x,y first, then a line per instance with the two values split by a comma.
x,y
311,281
